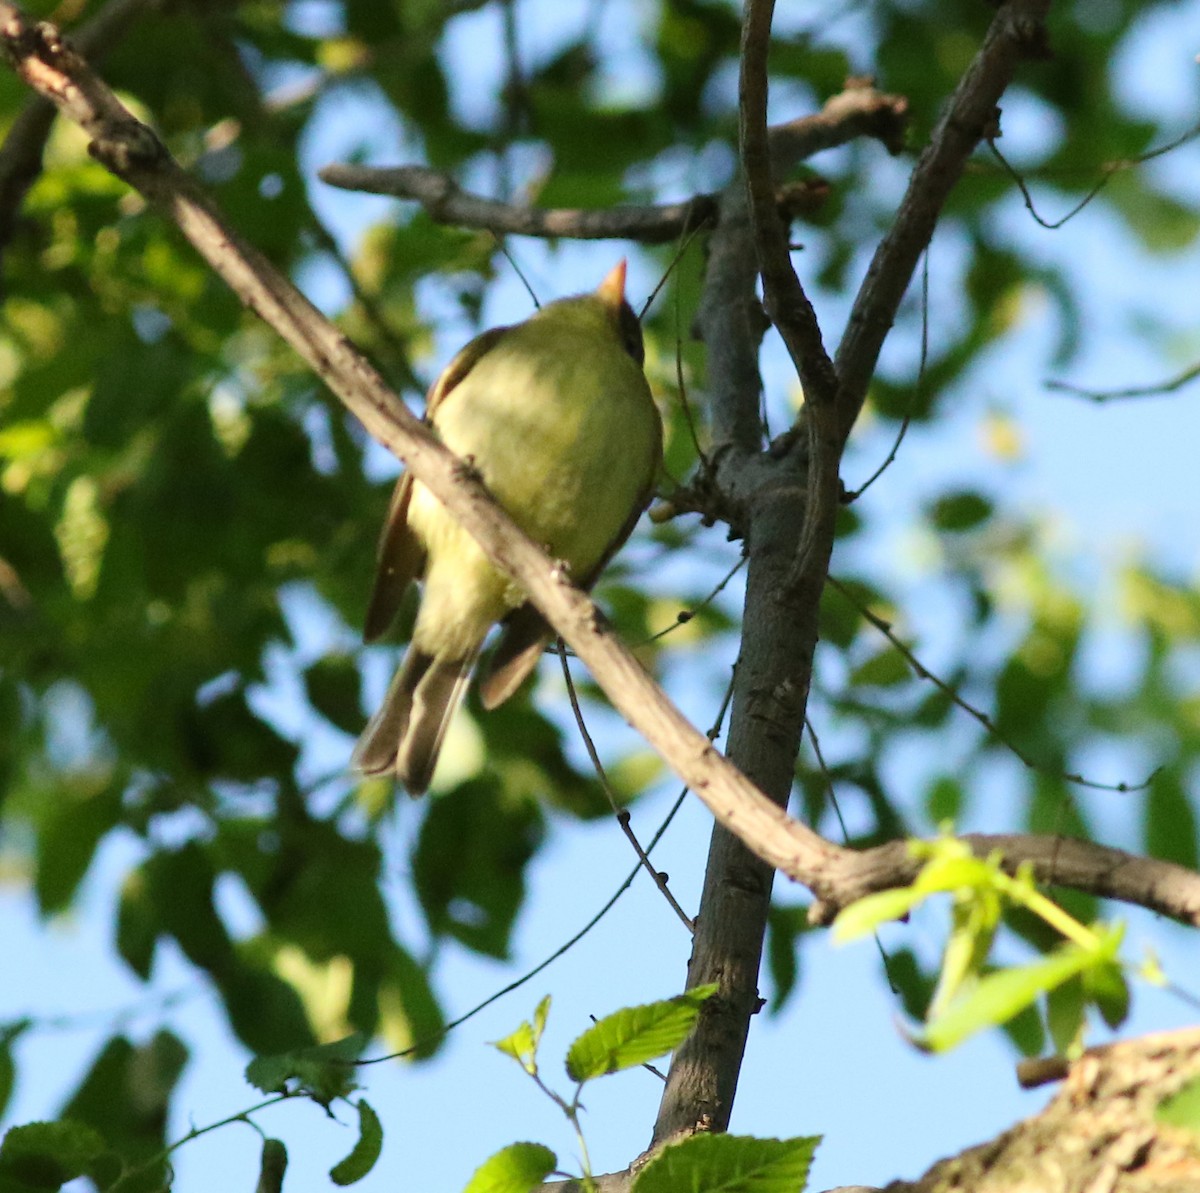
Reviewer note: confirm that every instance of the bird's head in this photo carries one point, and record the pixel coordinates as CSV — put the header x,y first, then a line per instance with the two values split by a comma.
x,y
604,308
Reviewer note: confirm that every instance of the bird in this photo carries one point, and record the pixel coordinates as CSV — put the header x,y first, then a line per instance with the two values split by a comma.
x,y
555,416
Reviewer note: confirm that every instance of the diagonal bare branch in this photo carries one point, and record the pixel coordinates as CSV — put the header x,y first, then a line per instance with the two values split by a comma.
x,y
1017,32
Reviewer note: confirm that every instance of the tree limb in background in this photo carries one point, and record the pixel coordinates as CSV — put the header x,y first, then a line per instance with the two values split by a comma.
x,y
859,111
447,203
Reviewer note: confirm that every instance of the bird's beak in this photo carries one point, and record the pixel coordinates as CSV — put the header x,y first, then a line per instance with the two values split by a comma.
x,y
612,289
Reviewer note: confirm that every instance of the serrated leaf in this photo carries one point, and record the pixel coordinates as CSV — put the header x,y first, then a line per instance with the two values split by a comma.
x,y
47,1155
517,1168
365,1152
325,1071
729,1164
635,1035
1182,1108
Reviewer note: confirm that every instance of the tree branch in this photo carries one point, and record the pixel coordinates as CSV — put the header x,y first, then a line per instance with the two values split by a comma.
x,y
21,153
447,203
1163,887
1017,32
787,304
860,111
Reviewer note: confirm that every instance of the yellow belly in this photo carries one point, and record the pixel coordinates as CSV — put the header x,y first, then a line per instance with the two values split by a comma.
x,y
566,439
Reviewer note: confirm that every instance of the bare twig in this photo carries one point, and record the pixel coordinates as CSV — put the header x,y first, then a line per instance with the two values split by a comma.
x,y
1170,386
1107,170
917,388
686,615
447,203
860,111
977,714
622,814
787,304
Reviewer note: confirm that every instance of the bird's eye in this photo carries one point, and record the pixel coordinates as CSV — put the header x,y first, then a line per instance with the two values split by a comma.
x,y
630,331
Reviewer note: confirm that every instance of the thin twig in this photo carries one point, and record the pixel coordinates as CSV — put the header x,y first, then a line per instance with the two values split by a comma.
x,y
622,814
976,714
1135,391
503,247
530,974
833,798
786,302
686,236
1106,173
917,388
686,615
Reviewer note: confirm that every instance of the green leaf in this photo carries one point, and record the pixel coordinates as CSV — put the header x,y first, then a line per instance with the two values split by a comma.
x,y
956,512
333,686
1182,1108
68,835
8,1067
785,927
944,800
47,1155
522,1044
469,865
635,1035
272,1166
865,915
999,996
517,1168
324,1071
1065,1016
137,923
365,1152
884,669
1107,987
1170,820
729,1164
126,1095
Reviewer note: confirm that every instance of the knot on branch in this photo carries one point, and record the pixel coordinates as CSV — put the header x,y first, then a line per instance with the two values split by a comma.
x,y
127,147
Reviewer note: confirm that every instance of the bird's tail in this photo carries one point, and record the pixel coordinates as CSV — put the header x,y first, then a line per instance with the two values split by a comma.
x,y
405,736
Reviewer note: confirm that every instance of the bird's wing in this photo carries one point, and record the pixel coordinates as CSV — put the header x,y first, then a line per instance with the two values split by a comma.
x,y
464,361
401,556
526,632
